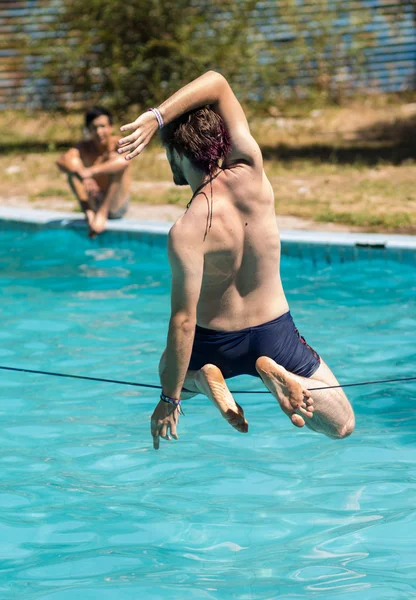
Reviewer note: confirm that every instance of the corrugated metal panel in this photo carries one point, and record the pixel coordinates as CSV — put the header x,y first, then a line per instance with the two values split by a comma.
x,y
384,30
388,44
21,84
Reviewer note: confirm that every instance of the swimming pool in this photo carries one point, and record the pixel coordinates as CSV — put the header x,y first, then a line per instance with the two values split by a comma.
x,y
89,510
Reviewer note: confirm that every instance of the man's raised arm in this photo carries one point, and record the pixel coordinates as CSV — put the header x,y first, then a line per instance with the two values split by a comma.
x,y
210,89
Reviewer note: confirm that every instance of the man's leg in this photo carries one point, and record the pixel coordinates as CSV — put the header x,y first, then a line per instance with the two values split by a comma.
x,y
116,195
111,205
210,382
324,411
86,202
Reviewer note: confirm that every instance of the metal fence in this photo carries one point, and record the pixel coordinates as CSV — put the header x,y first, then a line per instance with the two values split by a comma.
x,y
386,31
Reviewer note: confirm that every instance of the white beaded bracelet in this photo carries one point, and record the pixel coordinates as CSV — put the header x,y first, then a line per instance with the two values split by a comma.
x,y
158,116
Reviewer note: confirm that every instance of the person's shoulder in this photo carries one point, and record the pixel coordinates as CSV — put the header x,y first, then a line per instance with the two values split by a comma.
x,y
114,143
245,154
186,231
185,247
73,152
239,169
180,230
83,147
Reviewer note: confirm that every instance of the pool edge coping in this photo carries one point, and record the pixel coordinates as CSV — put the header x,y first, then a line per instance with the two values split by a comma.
x,y
63,220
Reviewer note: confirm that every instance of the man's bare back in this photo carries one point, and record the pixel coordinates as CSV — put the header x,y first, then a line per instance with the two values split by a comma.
x,y
241,284
229,314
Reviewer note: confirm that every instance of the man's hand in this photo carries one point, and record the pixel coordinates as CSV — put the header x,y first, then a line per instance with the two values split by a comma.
x,y
165,417
143,128
91,187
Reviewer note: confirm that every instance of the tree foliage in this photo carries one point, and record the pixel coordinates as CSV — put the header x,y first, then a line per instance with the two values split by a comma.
x,y
138,52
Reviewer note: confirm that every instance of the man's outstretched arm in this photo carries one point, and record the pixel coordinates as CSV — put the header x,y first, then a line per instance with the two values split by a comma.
x,y
209,89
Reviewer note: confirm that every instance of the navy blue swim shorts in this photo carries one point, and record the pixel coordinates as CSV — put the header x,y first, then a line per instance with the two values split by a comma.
x,y
235,352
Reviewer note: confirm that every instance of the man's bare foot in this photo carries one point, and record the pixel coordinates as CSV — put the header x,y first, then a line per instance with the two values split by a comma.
x,y
211,382
292,396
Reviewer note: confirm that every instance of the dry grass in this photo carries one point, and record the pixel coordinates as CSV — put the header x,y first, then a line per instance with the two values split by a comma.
x,y
353,165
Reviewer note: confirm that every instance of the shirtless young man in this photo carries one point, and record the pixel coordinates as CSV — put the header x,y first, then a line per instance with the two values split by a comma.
x,y
229,313
97,175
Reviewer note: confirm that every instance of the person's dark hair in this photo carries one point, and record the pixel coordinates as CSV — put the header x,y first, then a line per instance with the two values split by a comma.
x,y
97,111
201,136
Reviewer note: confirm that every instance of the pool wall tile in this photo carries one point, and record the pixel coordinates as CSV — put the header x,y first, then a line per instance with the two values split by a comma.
x,y
317,247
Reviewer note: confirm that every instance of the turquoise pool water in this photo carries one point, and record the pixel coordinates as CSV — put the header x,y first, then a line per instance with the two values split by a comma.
x,y
88,509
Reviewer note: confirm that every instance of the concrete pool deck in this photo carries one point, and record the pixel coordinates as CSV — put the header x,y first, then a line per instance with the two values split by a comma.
x,y
57,219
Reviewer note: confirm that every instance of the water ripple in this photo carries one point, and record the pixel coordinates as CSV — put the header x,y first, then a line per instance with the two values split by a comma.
x,y
88,509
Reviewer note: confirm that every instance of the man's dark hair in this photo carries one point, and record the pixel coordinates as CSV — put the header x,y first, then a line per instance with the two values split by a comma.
x,y
97,111
201,136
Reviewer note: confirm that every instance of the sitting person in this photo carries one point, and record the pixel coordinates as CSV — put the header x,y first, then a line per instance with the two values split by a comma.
x,y
97,175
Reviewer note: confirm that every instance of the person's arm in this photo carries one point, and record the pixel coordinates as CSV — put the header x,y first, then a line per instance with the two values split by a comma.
x,y
114,165
186,259
209,89
70,162
100,219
